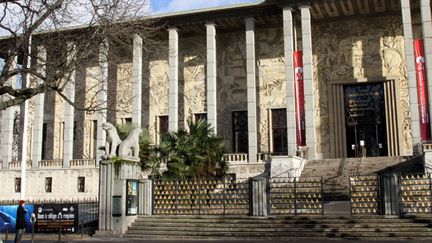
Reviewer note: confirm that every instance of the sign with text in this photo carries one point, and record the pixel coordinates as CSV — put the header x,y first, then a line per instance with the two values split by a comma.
x,y
48,217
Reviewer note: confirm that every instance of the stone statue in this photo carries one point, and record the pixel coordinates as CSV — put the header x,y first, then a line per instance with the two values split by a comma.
x,y
129,148
112,140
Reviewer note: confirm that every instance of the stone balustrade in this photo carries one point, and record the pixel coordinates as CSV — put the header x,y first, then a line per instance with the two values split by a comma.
x,y
17,164
236,158
427,147
82,163
56,163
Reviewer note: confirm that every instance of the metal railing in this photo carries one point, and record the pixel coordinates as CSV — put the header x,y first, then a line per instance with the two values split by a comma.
x,y
226,196
365,194
296,196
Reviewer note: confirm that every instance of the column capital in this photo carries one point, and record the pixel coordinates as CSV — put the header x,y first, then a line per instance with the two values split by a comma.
x,y
210,23
172,29
286,8
305,7
249,19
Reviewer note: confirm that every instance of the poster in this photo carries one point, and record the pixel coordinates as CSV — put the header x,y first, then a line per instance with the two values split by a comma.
x,y
48,215
131,197
8,217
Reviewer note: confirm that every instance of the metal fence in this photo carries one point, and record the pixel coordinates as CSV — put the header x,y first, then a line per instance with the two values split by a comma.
x,y
365,194
416,193
202,197
296,195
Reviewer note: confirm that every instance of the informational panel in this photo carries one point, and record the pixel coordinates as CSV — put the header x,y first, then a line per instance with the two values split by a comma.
x,y
50,216
131,197
8,217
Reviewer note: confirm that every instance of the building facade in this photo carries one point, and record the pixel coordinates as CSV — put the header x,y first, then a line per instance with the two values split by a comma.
x,y
235,68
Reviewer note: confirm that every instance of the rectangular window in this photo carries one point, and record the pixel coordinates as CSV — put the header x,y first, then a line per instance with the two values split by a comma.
x,y
162,126
44,140
240,132
48,184
94,132
128,120
17,184
81,184
279,131
200,116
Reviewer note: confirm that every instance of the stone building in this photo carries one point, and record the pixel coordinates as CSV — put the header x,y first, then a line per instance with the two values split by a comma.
x,y
234,67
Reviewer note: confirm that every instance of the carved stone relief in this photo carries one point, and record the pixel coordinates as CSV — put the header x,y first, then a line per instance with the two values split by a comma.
x,y
192,64
158,86
357,49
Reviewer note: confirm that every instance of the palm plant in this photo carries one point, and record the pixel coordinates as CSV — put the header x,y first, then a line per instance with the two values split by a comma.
x,y
197,153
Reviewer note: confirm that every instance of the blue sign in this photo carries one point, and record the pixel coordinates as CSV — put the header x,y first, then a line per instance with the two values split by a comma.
x,y
8,217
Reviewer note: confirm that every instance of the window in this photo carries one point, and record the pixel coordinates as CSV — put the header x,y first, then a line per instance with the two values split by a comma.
x,y
162,126
128,120
81,184
94,132
240,132
48,184
17,184
279,131
44,140
200,116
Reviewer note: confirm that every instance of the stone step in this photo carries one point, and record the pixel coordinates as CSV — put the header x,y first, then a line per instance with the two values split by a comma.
x,y
257,235
278,227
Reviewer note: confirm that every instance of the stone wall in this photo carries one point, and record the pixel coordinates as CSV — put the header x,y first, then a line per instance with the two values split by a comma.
x,y
64,184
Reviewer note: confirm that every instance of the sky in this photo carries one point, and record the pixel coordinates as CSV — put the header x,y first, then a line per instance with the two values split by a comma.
x,y
168,6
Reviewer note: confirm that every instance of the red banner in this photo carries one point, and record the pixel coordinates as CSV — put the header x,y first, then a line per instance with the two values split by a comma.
x,y
299,98
422,90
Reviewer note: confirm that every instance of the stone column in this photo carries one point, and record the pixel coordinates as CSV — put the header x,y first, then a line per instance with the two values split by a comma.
x,y
102,98
211,76
69,110
7,125
137,80
308,83
289,40
425,8
39,103
412,82
173,107
251,89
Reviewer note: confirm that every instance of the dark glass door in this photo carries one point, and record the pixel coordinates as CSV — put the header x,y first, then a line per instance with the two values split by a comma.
x,y
366,132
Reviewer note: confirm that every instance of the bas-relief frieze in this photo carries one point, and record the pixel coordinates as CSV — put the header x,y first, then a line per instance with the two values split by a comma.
x,y
124,90
192,70
158,86
231,81
271,79
358,49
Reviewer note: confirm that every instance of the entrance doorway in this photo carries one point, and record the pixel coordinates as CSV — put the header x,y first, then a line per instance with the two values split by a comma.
x,y
365,120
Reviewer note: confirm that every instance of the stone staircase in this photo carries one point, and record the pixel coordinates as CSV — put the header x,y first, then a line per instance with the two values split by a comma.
x,y
248,227
336,172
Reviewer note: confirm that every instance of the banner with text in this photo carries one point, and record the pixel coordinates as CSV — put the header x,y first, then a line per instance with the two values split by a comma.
x,y
299,98
422,90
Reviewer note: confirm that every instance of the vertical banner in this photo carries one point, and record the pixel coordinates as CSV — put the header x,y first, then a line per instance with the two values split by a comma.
x,y
422,90
299,98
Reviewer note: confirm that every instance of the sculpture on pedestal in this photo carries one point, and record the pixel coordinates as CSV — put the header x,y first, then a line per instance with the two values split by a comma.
x,y
127,149
112,140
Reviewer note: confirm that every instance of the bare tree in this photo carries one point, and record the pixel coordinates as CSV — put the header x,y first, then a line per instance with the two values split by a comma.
x,y
28,24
